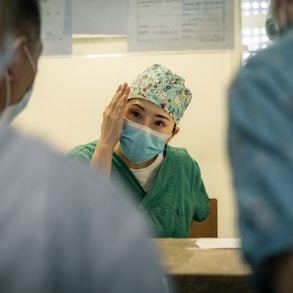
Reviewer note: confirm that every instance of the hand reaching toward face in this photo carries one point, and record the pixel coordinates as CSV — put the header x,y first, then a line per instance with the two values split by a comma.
x,y
113,117
111,129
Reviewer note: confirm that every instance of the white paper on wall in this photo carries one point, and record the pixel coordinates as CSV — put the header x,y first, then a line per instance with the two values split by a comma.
x,y
99,17
162,25
56,27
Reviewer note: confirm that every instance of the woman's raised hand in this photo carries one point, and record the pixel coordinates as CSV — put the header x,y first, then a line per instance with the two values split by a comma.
x,y
113,117
111,130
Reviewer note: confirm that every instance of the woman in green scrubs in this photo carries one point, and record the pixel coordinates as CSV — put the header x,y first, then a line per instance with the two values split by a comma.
x,y
134,151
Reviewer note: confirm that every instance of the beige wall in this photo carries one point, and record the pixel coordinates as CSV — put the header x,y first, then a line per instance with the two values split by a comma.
x,y
71,93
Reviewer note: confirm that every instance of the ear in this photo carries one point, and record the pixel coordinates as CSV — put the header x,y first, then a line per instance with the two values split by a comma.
x,y
176,130
12,69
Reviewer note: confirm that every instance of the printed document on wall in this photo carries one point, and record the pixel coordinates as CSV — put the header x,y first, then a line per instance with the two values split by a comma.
x,y
99,17
56,27
164,25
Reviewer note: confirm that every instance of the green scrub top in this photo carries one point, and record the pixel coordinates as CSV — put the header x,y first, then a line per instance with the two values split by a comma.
x,y
176,196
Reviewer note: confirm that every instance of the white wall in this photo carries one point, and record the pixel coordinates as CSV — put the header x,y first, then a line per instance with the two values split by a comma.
x,y
71,93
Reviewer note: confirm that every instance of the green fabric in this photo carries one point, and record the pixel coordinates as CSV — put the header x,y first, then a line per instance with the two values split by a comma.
x,y
176,196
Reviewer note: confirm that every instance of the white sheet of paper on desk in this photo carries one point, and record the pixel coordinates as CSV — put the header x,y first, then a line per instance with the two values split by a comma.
x,y
217,243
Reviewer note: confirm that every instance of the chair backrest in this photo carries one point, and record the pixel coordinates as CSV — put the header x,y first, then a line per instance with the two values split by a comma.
x,y
209,227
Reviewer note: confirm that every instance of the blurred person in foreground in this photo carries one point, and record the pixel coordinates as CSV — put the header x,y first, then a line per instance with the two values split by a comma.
x,y
260,140
62,227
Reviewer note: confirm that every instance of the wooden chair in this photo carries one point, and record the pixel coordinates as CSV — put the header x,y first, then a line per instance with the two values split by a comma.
x,y
209,227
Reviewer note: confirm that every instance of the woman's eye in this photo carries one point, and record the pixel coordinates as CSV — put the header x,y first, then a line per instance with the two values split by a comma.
x,y
135,114
159,123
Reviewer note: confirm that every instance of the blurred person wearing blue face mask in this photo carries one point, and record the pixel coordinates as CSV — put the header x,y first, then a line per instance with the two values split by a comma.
x,y
260,142
19,74
11,110
63,227
134,151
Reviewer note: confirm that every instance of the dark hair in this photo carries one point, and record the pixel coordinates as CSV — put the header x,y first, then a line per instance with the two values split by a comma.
x,y
7,19
174,128
7,10
29,20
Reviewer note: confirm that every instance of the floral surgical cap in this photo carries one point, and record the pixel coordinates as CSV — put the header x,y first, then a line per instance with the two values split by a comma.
x,y
157,84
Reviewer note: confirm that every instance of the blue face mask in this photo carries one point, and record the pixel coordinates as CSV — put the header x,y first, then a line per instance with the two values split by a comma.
x,y
11,111
140,143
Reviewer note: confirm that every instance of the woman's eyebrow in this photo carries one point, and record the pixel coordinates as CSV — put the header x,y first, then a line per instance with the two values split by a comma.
x,y
163,117
157,115
139,106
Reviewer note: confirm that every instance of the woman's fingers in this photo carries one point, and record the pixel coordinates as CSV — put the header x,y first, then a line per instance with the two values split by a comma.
x,y
121,90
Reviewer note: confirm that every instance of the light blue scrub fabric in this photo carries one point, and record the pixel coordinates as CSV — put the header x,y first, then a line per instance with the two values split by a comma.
x,y
63,228
260,143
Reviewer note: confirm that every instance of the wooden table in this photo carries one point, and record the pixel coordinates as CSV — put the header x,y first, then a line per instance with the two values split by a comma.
x,y
204,270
